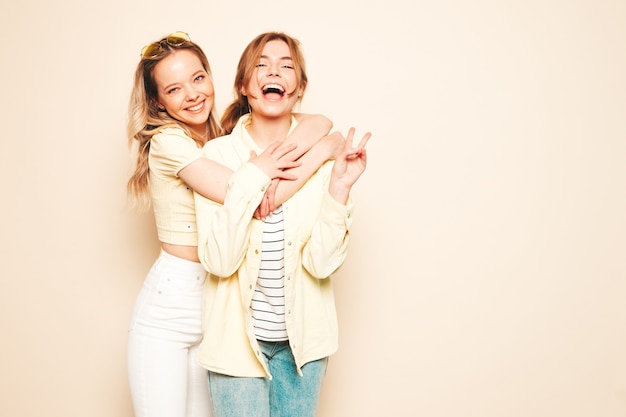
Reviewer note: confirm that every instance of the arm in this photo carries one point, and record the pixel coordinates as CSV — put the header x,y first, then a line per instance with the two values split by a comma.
x,y
210,179
315,147
326,248
310,128
327,148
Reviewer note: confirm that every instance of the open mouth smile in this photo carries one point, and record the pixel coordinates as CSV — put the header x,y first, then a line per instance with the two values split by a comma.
x,y
273,88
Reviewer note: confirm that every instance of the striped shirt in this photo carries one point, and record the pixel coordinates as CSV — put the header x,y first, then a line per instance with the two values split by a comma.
x,y
268,301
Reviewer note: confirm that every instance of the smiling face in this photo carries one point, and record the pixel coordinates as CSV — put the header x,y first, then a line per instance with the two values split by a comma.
x,y
185,89
273,89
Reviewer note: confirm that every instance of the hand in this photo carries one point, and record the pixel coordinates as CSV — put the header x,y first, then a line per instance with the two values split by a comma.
x,y
348,167
267,205
270,161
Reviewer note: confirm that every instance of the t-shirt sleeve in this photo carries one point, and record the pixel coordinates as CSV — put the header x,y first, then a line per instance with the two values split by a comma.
x,y
172,150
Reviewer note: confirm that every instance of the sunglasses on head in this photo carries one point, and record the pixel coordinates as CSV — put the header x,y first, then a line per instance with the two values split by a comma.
x,y
173,39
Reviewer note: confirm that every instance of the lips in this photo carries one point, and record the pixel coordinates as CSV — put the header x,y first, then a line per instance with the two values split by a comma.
x,y
273,88
197,107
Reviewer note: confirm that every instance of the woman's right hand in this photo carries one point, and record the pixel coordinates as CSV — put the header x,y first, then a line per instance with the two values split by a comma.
x,y
267,205
270,163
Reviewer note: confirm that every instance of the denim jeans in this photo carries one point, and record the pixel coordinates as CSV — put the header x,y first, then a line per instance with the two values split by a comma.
x,y
287,394
164,335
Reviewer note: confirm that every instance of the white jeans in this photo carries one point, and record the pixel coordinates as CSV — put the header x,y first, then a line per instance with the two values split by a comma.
x,y
165,330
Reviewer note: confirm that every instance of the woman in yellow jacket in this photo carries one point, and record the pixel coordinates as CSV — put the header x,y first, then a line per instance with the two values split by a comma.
x,y
269,315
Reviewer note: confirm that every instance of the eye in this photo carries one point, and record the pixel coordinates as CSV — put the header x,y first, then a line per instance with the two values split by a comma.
x,y
199,78
261,64
288,66
172,90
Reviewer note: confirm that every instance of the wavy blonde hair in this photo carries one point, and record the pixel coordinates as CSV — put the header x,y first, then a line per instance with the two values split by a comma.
x,y
145,119
245,70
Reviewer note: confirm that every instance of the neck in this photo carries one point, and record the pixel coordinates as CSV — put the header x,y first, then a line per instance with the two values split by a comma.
x,y
266,131
204,134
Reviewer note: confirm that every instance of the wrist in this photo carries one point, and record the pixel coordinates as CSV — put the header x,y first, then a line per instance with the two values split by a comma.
x,y
340,192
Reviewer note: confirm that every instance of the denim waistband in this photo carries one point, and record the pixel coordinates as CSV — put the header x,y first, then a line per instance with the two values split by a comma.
x,y
183,265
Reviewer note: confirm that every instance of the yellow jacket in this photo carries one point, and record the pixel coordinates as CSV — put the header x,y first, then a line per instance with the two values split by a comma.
x,y
229,246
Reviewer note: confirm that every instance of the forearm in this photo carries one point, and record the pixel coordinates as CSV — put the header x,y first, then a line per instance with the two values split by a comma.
x,y
310,129
208,178
311,162
313,148
339,191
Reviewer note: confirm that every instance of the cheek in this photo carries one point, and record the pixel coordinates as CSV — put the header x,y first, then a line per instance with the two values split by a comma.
x,y
163,102
251,85
210,90
170,104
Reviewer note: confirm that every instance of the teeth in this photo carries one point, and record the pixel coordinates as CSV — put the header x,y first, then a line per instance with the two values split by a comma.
x,y
274,86
196,107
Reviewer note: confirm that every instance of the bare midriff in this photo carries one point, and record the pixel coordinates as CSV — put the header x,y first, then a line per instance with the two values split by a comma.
x,y
189,253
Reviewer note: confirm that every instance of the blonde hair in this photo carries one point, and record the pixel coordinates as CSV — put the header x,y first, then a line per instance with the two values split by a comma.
x,y
145,119
245,70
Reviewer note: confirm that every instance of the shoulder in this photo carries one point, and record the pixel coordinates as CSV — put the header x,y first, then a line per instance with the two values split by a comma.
x,y
219,142
171,150
172,135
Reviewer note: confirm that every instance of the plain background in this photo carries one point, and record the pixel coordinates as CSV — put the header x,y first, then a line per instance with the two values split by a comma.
x,y
486,276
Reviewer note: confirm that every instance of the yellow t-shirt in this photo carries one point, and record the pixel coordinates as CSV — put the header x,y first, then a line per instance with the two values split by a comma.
x,y
170,151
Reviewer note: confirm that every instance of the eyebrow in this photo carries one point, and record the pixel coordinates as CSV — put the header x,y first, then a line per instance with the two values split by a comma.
x,y
194,75
282,58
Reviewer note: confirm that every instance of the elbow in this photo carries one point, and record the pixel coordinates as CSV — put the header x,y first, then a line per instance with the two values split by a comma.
x,y
219,269
326,122
322,271
322,122
224,272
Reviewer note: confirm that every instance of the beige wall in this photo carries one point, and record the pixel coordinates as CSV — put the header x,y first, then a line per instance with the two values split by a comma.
x,y
486,276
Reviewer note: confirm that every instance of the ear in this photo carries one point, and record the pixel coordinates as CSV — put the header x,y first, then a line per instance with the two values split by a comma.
x,y
242,91
158,105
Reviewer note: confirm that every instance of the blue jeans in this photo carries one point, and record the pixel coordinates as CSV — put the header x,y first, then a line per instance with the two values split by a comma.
x,y
287,394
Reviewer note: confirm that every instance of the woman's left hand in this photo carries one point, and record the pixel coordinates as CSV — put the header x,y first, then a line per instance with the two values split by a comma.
x,y
348,167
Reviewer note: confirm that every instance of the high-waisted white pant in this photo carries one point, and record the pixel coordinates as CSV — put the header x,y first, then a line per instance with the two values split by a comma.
x,y
165,330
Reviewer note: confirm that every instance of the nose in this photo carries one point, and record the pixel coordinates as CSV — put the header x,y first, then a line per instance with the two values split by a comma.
x,y
274,70
192,94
